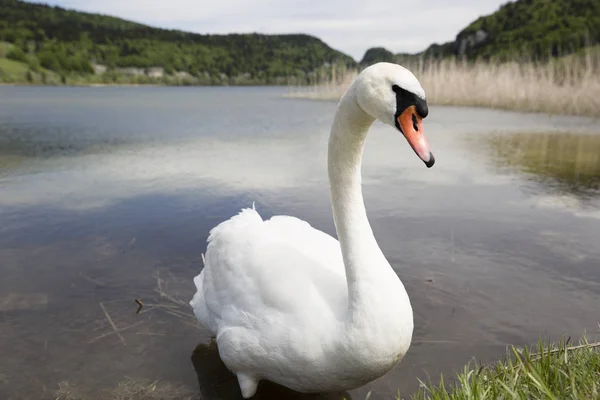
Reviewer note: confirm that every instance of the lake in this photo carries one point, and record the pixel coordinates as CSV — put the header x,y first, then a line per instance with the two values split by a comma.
x,y
107,196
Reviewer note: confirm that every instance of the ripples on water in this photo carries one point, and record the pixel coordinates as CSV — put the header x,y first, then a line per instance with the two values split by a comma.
x,y
108,194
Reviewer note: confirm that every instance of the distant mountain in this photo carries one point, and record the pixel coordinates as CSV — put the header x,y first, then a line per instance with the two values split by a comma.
x,y
377,54
68,43
536,29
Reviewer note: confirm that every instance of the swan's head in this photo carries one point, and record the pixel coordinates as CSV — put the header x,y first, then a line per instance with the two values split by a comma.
x,y
393,95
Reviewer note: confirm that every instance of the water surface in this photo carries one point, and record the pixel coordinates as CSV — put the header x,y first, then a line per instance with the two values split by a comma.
x,y
107,195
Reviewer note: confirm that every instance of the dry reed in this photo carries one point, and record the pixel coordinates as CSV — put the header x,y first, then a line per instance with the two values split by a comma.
x,y
568,86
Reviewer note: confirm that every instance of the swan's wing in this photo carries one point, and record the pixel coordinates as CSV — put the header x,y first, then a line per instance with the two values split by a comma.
x,y
316,244
259,271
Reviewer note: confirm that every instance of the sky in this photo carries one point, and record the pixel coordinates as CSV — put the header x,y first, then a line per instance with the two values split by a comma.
x,y
351,26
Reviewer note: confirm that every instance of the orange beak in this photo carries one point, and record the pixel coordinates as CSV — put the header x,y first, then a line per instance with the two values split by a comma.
x,y
411,126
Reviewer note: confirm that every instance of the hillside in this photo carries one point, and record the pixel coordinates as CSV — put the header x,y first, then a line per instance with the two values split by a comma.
x,y
536,29
74,45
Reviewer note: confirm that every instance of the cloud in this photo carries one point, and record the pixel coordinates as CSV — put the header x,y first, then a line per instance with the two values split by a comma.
x,y
351,26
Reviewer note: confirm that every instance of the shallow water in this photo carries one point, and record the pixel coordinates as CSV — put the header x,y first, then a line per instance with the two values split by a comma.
x,y
107,195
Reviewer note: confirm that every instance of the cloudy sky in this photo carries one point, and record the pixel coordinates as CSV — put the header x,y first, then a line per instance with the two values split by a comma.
x,y
351,26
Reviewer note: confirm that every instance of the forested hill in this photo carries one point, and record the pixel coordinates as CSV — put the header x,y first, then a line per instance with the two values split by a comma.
x,y
537,29
71,43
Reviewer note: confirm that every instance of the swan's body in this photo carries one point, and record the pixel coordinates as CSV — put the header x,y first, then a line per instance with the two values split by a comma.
x,y
291,304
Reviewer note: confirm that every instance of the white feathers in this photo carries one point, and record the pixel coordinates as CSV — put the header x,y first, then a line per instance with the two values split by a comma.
x,y
373,89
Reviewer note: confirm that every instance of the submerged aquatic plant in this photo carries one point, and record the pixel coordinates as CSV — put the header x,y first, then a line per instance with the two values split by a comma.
x,y
131,389
567,162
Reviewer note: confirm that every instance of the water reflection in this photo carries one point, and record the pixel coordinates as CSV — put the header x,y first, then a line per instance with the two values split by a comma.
x,y
217,382
562,162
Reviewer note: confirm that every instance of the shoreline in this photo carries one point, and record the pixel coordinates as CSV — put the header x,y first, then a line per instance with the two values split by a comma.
x,y
37,84
332,93
592,116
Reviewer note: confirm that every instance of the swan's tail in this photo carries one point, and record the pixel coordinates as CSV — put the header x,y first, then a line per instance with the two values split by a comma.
x,y
198,303
245,218
220,236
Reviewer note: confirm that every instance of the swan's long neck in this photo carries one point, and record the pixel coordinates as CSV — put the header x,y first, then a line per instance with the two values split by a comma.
x,y
367,270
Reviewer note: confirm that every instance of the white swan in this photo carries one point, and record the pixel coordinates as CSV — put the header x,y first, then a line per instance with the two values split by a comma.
x,y
289,303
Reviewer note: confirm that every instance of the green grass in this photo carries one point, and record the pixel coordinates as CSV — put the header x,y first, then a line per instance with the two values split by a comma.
x,y
551,372
5,48
12,67
16,72
11,71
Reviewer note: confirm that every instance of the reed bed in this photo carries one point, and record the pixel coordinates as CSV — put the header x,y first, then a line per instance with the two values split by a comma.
x,y
565,86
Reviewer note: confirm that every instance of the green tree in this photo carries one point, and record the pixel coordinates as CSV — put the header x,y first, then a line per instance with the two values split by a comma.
x,y
15,53
49,61
34,63
69,42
